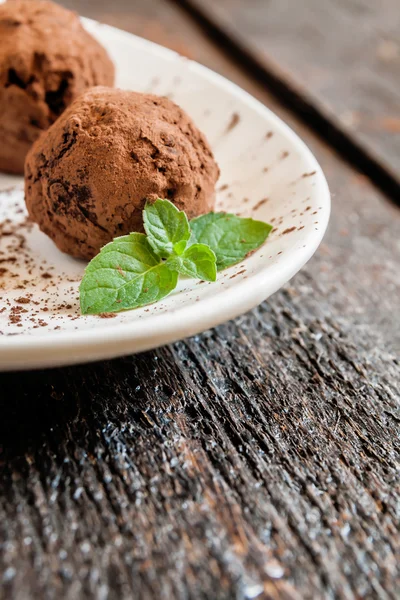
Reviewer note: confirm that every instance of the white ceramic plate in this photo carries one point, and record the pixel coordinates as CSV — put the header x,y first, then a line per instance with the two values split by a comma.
x,y
267,173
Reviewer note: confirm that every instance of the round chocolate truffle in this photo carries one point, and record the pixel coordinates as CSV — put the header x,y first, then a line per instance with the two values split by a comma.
x,y
46,60
89,176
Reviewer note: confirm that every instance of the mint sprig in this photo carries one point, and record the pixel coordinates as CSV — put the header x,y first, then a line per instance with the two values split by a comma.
x,y
138,269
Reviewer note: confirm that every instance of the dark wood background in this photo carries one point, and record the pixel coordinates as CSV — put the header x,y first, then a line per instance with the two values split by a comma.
x,y
338,61
259,459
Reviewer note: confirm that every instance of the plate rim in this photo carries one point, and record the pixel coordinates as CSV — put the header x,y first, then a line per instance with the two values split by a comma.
x,y
91,344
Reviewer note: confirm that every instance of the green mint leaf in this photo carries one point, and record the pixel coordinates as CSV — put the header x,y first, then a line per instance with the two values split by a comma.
x,y
166,226
125,274
179,248
231,238
197,261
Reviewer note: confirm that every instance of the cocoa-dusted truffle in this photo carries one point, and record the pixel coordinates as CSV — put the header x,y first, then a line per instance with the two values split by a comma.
x,y
88,177
46,60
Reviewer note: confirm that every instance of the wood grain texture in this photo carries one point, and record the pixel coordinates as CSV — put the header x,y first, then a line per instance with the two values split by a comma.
x,y
257,460
342,58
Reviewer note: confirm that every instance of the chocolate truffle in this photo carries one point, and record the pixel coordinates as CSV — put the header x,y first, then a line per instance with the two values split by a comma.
x,y
46,60
88,177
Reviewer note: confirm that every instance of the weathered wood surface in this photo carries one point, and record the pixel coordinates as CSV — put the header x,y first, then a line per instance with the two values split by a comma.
x,y
257,460
342,58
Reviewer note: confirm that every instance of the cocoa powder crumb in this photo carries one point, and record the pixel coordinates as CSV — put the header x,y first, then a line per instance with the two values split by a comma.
x,y
260,203
22,300
235,120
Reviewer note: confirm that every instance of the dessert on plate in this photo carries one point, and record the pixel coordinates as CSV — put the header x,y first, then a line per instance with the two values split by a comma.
x,y
89,176
46,60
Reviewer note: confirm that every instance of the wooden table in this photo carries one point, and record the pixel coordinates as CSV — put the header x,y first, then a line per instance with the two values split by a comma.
x,y
259,459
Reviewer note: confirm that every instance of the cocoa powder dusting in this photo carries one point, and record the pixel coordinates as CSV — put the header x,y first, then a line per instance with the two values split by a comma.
x,y
28,272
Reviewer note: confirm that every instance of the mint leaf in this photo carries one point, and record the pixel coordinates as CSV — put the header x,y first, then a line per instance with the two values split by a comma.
x,y
197,261
125,274
230,237
166,226
179,248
